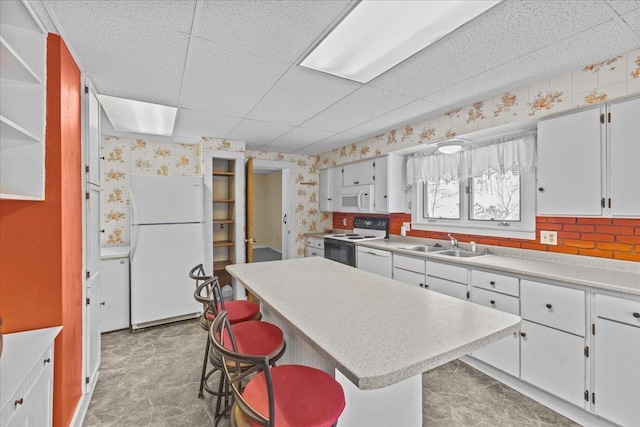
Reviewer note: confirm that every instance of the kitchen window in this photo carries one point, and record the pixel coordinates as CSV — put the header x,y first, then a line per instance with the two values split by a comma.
x,y
487,190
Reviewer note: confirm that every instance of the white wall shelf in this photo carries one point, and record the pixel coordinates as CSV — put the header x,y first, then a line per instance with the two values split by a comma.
x,y
22,106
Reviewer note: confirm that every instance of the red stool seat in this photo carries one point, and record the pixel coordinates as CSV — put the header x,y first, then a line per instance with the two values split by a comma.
x,y
239,311
256,338
304,396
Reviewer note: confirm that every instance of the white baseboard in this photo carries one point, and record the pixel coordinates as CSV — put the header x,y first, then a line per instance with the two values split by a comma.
x,y
564,408
83,404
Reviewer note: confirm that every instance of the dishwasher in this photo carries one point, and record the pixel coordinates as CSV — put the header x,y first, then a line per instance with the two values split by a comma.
x,y
374,261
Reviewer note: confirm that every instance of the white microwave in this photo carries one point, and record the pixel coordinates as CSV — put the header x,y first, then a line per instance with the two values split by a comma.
x,y
358,198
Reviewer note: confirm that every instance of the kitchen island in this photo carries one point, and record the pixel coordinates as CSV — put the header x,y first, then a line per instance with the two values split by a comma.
x,y
376,336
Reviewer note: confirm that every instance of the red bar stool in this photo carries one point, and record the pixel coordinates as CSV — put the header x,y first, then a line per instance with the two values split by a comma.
x,y
254,337
240,311
282,396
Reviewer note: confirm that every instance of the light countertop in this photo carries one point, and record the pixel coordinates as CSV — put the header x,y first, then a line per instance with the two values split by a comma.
x,y
620,276
376,331
115,252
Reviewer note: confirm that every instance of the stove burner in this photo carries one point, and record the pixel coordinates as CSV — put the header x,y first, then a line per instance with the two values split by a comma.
x,y
369,237
356,238
351,234
337,235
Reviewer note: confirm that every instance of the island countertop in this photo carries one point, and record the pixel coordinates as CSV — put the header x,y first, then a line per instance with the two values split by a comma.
x,y
375,331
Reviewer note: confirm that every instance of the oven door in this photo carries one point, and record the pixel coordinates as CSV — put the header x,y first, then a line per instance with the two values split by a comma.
x,y
343,252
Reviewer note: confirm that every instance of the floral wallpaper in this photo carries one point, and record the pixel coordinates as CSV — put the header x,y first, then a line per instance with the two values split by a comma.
x,y
594,83
124,156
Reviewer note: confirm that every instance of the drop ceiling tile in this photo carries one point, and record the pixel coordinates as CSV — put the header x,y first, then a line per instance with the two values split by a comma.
x,y
404,115
508,31
633,20
280,31
223,81
296,139
599,43
300,94
623,6
336,141
196,124
256,133
145,16
358,107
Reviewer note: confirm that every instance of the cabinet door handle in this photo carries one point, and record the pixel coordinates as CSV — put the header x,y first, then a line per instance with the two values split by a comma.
x,y
492,283
549,306
422,285
47,360
103,303
18,402
636,315
541,189
493,302
523,334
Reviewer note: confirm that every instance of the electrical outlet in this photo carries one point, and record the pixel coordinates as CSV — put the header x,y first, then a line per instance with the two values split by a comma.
x,y
344,221
407,226
549,237
299,222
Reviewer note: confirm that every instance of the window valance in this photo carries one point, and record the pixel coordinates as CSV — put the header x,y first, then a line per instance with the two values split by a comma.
x,y
513,153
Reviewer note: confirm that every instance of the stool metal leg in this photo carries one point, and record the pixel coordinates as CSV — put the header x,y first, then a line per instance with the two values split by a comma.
x,y
204,367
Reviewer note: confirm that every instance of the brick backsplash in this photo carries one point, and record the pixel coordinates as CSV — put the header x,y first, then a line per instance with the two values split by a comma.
x,y
597,237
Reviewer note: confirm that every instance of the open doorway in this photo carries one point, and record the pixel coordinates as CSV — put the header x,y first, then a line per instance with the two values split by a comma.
x,y
267,217
273,195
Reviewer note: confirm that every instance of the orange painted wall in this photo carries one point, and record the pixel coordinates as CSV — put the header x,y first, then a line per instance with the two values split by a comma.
x,y
41,242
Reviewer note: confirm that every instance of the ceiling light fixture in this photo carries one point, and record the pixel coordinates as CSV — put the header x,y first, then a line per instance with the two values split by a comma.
x,y
128,115
451,146
377,35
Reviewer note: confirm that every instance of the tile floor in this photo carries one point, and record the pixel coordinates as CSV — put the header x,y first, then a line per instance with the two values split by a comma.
x,y
150,377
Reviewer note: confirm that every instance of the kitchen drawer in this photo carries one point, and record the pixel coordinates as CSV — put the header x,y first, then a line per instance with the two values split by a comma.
x,y
315,242
409,263
555,306
376,252
495,300
496,282
447,271
311,251
410,277
447,287
618,309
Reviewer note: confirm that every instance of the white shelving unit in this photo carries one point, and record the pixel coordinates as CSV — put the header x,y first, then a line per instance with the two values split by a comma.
x,y
22,105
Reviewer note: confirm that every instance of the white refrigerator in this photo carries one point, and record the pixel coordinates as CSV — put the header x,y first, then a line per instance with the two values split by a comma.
x,y
167,240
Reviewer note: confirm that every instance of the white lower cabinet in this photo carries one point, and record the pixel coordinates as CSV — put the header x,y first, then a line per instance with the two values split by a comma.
x,y
616,356
26,396
314,246
410,277
553,361
503,354
374,261
114,308
447,279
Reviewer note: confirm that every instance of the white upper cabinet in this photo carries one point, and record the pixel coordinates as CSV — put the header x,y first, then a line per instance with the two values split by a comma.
x,y
22,104
330,184
390,181
587,162
359,173
623,144
569,165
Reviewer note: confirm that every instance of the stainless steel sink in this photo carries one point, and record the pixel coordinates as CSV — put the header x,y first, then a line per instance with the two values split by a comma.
x,y
459,253
423,248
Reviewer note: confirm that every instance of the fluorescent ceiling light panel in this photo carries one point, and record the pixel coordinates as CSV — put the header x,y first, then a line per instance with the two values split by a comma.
x,y
377,35
128,115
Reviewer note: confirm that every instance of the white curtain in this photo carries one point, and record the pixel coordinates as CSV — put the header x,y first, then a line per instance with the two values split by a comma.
x,y
515,153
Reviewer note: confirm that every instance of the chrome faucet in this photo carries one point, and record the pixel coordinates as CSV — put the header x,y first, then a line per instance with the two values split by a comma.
x,y
454,242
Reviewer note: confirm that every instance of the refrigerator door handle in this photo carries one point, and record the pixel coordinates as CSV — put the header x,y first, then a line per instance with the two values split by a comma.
x,y
134,229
